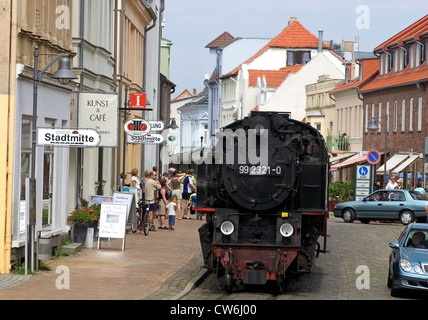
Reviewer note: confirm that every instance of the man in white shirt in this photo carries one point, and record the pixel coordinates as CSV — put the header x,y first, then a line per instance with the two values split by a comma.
x,y
392,184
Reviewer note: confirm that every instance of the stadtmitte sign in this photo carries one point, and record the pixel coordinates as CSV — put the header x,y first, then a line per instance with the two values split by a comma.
x,y
59,137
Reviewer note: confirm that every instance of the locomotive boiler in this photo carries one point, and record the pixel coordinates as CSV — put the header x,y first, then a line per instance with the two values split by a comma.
x,y
265,189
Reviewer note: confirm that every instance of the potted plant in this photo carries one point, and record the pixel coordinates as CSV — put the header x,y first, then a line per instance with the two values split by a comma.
x,y
340,192
81,220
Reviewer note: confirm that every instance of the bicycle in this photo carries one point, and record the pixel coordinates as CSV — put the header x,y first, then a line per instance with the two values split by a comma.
x,y
143,217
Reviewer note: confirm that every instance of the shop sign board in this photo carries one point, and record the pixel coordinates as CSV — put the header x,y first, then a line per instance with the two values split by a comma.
x,y
59,137
147,139
99,111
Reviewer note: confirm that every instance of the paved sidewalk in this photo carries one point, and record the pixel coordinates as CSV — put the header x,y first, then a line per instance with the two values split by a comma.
x,y
160,266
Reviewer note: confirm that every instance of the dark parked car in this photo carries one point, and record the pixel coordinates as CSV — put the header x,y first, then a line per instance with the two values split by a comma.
x,y
403,205
408,262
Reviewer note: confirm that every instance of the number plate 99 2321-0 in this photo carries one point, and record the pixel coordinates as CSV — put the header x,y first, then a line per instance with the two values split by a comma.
x,y
260,170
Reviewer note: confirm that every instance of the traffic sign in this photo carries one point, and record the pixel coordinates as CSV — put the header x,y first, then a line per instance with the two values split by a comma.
x,y
363,181
373,157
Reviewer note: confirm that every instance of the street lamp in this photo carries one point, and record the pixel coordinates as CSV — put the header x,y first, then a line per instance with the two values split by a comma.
x,y
173,125
64,76
373,125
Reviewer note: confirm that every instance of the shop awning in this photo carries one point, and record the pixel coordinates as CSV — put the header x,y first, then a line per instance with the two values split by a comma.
x,y
349,163
392,163
341,157
408,162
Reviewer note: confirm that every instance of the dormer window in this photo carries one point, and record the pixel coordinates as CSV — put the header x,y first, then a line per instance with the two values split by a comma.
x,y
298,57
400,58
386,63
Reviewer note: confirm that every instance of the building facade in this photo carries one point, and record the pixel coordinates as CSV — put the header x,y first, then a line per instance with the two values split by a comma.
x,y
294,46
108,46
397,99
47,25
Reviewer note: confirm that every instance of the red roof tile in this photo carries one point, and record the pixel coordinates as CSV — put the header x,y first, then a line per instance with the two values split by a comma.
x,y
406,76
370,68
221,41
184,94
396,79
413,31
293,36
274,78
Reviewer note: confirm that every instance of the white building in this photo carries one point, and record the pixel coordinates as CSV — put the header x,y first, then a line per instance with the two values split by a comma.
x,y
293,47
291,94
227,52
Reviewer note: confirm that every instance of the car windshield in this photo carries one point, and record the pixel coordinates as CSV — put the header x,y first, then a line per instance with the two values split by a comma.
x,y
416,195
417,239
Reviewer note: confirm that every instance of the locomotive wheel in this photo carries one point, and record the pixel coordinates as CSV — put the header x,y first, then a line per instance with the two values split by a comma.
x,y
348,215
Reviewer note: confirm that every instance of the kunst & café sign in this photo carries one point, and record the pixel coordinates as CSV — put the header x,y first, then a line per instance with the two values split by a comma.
x,y
99,111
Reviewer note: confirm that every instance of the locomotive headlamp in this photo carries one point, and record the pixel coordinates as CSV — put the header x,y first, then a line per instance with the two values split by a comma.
x,y
286,230
227,228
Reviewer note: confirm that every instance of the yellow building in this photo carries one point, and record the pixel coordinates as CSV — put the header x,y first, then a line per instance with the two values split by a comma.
x,y
109,63
8,21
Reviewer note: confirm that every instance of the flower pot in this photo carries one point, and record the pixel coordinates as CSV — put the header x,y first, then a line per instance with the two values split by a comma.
x,y
95,226
79,232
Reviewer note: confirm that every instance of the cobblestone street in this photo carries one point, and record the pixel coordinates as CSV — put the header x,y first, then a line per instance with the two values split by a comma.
x,y
335,274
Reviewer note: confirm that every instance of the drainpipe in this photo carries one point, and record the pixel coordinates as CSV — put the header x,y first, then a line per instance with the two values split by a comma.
x,y
119,120
113,161
144,88
80,89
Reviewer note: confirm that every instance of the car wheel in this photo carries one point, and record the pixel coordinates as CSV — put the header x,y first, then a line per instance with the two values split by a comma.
x,y
394,291
348,215
389,281
406,217
365,221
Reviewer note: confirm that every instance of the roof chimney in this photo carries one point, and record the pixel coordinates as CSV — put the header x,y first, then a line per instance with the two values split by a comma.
x,y
292,19
320,40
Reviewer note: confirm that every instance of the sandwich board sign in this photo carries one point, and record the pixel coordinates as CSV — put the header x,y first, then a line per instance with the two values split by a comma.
x,y
113,222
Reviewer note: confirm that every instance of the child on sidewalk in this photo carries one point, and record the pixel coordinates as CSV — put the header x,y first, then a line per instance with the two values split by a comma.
x,y
171,211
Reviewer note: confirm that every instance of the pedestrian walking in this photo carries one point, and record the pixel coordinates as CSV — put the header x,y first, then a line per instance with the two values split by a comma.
x,y
171,212
168,189
135,183
163,202
392,183
149,191
175,184
189,187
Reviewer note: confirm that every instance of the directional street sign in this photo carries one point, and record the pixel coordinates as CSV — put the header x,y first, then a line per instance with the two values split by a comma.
x,y
363,181
373,157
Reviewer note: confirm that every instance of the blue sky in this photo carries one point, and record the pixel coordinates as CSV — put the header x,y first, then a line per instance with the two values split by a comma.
x,y
192,24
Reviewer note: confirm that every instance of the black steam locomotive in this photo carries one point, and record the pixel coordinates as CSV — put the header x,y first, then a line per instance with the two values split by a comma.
x,y
264,189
